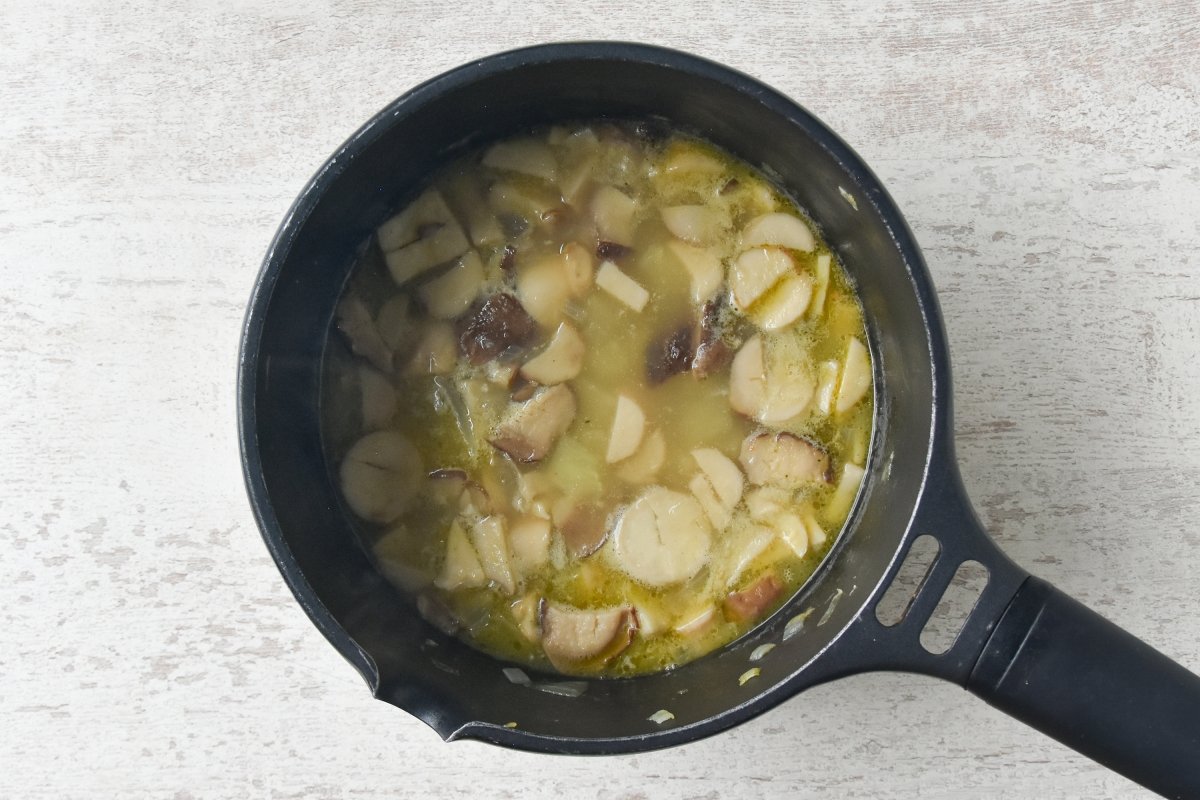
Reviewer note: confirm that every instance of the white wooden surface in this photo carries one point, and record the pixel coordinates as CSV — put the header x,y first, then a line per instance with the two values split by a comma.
x,y
1048,158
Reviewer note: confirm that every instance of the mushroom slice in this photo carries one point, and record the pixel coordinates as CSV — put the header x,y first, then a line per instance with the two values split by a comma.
x,y
785,303
380,475
526,156
450,294
579,267
642,466
629,425
355,323
765,503
779,229
442,243
613,212
610,278
491,544
500,322
706,496
768,392
560,361
687,160
794,532
395,322
543,287
461,568
446,486
574,637
527,613
751,602
426,212
529,540
584,529
783,459
529,430
663,538
377,398
712,353
435,353
856,376
843,495
694,224
755,272
696,620
750,543
703,266
821,288
827,377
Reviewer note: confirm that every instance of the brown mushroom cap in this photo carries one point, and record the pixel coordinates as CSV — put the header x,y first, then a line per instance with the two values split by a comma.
x,y
574,638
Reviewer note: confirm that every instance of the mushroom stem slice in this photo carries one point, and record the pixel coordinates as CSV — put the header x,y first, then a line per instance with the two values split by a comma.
x,y
461,568
785,303
445,243
695,224
529,540
613,211
576,638
784,459
489,537
560,361
435,353
703,266
770,391
642,466
624,288
856,376
355,323
526,156
380,475
530,430
428,210
722,473
451,293
755,271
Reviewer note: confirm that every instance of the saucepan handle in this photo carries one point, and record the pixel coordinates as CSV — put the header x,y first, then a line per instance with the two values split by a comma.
x,y
1063,669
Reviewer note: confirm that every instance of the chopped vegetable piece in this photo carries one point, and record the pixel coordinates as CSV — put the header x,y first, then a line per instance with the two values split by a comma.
x,y
767,391
784,459
642,466
755,272
560,361
695,224
613,212
703,267
379,476
574,635
751,602
497,324
780,229
748,675
451,293
660,716
527,156
529,430
843,496
629,424
461,568
354,321
856,377
662,538
621,286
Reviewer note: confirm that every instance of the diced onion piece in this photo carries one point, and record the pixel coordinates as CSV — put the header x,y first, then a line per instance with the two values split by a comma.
x,y
816,534
527,156
613,212
695,224
696,621
629,424
843,496
461,568
779,229
703,266
516,675
749,675
660,716
795,624
560,361
610,278
687,160
750,543
578,266
856,376
755,272
451,293
759,652
573,181
821,286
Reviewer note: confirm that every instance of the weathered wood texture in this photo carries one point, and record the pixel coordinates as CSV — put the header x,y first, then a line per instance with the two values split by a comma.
x,y
1047,156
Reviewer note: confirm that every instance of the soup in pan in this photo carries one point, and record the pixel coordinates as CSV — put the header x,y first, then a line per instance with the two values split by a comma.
x,y
599,397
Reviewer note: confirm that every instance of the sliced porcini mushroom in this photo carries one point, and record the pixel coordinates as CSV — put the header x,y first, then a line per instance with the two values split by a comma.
x,y
451,293
785,303
575,178
827,378
628,427
614,213
747,547
755,272
467,197
380,475
712,353
529,430
490,540
642,466
695,224
446,486
526,611
543,289
438,245
722,473
751,602
377,398
784,459
821,285
526,156
436,352
521,204
575,637
355,322
427,212
706,496
662,538
766,502
611,279
843,494
495,325
703,267
529,541
687,160
779,229
579,266
768,391
670,354
461,568
793,530
395,322
583,527
856,377
560,361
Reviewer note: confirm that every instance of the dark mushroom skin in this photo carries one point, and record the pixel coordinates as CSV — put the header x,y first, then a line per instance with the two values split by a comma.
x,y
670,355
712,354
493,326
612,251
751,602
585,530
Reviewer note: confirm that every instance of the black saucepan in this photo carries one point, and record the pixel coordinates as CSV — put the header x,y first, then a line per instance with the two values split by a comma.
x,y
1026,648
